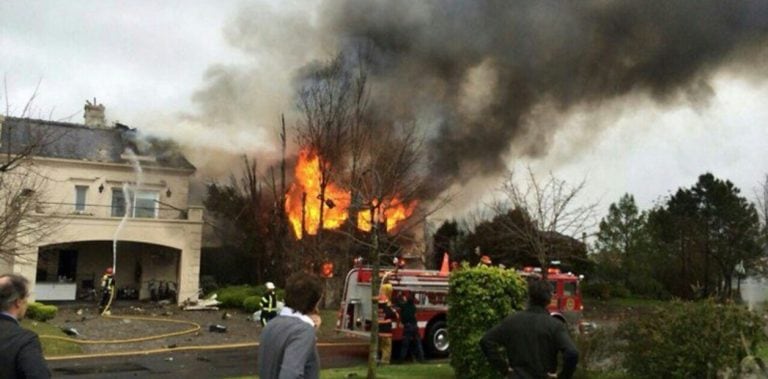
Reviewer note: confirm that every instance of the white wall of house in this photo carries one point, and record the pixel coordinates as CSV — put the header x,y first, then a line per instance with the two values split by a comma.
x,y
169,228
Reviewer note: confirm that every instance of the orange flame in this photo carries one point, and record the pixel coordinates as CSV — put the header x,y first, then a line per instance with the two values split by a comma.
x,y
307,177
307,181
391,213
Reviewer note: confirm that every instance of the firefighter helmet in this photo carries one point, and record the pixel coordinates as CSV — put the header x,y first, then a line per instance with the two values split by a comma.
x,y
270,285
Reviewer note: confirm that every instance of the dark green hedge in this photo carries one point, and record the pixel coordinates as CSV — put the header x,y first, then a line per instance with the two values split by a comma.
x,y
690,340
245,297
478,298
41,312
252,304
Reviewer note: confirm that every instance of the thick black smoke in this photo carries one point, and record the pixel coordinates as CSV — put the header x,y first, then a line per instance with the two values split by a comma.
x,y
477,69
479,75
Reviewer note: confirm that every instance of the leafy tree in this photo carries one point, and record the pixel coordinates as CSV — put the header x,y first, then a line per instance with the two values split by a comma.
x,y
621,247
701,234
731,229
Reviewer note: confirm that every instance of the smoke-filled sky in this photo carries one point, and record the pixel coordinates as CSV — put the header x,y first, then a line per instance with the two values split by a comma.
x,y
634,96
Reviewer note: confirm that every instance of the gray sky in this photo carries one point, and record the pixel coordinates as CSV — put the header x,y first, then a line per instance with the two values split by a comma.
x,y
145,60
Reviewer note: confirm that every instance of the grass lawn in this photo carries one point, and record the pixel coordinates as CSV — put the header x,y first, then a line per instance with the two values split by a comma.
x,y
52,347
440,370
408,371
328,327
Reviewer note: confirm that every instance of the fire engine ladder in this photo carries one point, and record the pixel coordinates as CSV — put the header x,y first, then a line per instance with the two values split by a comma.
x,y
416,283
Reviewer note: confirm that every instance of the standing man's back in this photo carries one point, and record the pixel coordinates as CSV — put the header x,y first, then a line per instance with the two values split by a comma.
x,y
531,340
288,344
21,354
297,357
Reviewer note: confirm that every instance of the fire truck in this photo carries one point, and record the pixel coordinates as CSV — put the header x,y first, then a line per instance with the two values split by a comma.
x,y
430,289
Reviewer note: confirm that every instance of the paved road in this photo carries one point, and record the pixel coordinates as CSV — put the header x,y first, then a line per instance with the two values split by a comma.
x,y
193,364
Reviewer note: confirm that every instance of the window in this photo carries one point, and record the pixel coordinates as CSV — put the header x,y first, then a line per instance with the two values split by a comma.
x,y
143,203
118,202
80,192
569,288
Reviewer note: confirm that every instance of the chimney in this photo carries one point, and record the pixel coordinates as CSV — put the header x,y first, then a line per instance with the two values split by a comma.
x,y
94,114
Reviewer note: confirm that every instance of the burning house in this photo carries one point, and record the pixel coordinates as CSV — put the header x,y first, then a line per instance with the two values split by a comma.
x,y
339,209
107,197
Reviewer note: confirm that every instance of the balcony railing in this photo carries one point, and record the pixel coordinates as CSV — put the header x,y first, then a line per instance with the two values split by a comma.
x,y
159,212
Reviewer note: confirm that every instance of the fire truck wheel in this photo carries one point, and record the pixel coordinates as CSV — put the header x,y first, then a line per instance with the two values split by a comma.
x,y
437,339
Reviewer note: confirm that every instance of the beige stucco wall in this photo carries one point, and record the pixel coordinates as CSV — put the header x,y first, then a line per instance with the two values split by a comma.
x,y
96,224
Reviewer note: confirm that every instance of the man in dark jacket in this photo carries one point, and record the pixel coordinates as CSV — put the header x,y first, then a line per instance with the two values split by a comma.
x,y
21,355
411,339
531,340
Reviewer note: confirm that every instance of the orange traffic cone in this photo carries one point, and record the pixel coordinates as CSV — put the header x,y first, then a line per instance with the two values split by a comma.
x,y
445,267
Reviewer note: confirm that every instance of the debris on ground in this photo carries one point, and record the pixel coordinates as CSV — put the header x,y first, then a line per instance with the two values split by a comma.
x,y
226,316
70,331
217,328
210,304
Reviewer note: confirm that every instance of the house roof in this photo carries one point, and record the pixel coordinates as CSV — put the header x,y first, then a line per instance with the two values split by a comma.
x,y
94,144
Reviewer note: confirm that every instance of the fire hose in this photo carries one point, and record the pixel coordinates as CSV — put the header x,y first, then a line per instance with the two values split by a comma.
x,y
194,328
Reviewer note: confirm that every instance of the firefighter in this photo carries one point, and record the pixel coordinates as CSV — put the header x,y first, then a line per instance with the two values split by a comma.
x,y
107,291
485,261
268,304
386,315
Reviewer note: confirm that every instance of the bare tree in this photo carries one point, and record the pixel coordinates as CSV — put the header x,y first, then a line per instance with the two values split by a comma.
x,y
324,102
391,176
22,185
377,160
551,213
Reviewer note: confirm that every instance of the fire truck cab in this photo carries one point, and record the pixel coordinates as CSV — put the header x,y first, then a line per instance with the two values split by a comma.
x,y
566,295
430,290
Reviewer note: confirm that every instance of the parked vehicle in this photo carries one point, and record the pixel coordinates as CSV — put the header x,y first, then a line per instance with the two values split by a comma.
x,y
430,289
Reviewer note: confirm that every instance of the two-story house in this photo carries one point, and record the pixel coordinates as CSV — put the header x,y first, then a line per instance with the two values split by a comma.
x,y
110,196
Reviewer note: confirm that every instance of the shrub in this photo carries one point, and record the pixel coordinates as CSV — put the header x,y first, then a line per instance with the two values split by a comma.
x,y
245,296
233,296
252,304
41,312
478,298
690,340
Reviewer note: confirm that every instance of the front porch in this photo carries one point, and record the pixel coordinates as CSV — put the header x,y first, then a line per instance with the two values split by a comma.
x,y
71,271
73,257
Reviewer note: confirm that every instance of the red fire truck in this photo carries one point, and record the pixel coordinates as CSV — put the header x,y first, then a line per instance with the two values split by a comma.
x,y
430,289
